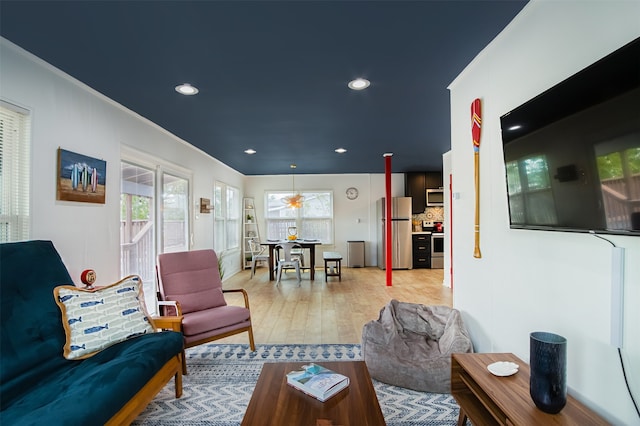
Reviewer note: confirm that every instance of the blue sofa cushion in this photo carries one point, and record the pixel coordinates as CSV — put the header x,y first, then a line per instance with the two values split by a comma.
x,y
31,336
75,393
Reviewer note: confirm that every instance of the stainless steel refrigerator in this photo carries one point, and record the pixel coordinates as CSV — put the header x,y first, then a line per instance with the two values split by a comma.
x,y
401,246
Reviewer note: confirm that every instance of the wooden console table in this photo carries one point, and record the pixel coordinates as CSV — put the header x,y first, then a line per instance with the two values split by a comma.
x,y
490,400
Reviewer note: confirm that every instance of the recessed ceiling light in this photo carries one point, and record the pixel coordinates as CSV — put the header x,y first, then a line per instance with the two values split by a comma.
x,y
359,84
250,151
340,150
187,89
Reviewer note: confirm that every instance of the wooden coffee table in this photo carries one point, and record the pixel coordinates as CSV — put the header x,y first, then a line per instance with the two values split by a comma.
x,y
274,402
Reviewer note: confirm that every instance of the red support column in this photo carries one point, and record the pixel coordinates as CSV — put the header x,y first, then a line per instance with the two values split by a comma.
x,y
451,229
388,248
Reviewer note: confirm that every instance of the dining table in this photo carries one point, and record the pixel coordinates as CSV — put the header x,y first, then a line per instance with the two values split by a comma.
x,y
304,244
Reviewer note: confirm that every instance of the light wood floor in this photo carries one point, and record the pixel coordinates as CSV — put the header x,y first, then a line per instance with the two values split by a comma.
x,y
333,312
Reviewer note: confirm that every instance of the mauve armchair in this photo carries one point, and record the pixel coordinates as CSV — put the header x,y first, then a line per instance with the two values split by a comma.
x,y
191,281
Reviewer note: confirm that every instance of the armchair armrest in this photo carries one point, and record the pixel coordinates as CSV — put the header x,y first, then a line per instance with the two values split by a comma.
x,y
174,303
239,290
168,322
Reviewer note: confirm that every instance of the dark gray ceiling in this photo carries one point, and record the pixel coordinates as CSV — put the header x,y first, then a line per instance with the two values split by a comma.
x,y
273,74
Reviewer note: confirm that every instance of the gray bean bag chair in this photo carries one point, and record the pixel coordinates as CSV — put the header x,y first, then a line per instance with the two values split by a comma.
x,y
410,345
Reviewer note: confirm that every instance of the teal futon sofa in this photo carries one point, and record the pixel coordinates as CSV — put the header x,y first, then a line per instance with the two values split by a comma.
x,y
39,384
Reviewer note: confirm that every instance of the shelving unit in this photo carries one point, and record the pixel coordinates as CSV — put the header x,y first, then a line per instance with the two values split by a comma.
x,y
249,229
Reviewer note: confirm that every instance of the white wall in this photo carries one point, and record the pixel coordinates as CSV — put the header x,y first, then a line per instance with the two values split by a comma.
x,y
371,187
68,114
535,280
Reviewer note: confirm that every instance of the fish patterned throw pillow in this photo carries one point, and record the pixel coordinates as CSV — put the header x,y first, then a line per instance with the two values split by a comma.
x,y
96,319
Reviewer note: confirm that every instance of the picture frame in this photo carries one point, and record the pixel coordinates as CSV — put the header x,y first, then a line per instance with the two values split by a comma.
x,y
80,178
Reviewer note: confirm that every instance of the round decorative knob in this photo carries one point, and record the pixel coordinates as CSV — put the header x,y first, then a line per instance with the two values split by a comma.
x,y
88,277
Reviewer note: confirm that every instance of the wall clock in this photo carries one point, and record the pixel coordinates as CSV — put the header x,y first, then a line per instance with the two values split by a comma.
x,y
352,193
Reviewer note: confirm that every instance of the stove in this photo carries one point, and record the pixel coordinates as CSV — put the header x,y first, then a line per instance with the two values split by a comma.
x,y
433,226
437,242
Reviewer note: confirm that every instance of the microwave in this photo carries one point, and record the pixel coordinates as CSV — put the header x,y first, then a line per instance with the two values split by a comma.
x,y
435,197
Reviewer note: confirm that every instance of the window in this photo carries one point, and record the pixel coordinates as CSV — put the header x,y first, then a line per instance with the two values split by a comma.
x,y
175,213
530,195
619,173
15,126
314,220
227,217
233,218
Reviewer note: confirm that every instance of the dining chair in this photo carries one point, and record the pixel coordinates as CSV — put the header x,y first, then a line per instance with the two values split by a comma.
x,y
190,281
288,261
258,254
299,253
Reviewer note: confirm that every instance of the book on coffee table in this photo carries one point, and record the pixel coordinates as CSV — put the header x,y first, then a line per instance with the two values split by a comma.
x,y
317,381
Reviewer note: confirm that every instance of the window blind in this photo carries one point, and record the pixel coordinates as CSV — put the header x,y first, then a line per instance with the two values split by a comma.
x,y
15,173
226,208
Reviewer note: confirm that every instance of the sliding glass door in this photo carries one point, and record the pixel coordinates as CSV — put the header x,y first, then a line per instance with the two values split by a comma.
x,y
154,218
175,213
137,222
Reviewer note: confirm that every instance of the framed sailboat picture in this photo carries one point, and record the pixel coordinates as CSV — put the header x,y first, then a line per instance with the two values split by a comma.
x,y
81,178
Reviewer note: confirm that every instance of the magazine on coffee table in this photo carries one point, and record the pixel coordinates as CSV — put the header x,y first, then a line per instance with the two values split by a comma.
x,y
317,381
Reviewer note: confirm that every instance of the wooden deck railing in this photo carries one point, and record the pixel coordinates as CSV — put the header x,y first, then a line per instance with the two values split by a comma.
x,y
621,199
137,256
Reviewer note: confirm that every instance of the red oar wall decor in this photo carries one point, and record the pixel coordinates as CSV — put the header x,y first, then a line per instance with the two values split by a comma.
x,y
476,122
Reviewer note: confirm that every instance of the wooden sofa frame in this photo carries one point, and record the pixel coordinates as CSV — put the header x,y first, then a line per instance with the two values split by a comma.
x,y
173,368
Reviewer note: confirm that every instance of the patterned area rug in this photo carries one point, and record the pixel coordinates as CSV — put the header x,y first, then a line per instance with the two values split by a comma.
x,y
221,379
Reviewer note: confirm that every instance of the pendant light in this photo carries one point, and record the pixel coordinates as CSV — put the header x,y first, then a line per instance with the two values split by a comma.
x,y
293,201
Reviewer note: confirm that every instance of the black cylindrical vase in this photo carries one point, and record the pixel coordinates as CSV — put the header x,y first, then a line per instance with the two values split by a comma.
x,y
548,382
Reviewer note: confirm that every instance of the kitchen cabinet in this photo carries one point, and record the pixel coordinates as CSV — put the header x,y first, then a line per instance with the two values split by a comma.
x,y
415,186
421,251
433,180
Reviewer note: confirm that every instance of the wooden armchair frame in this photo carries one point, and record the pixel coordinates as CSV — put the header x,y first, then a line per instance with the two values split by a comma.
x,y
178,309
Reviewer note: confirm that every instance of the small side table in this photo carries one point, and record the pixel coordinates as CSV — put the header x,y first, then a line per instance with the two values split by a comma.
x,y
336,259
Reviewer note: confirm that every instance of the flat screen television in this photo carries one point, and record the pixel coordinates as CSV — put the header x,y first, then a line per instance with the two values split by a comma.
x,y
572,153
